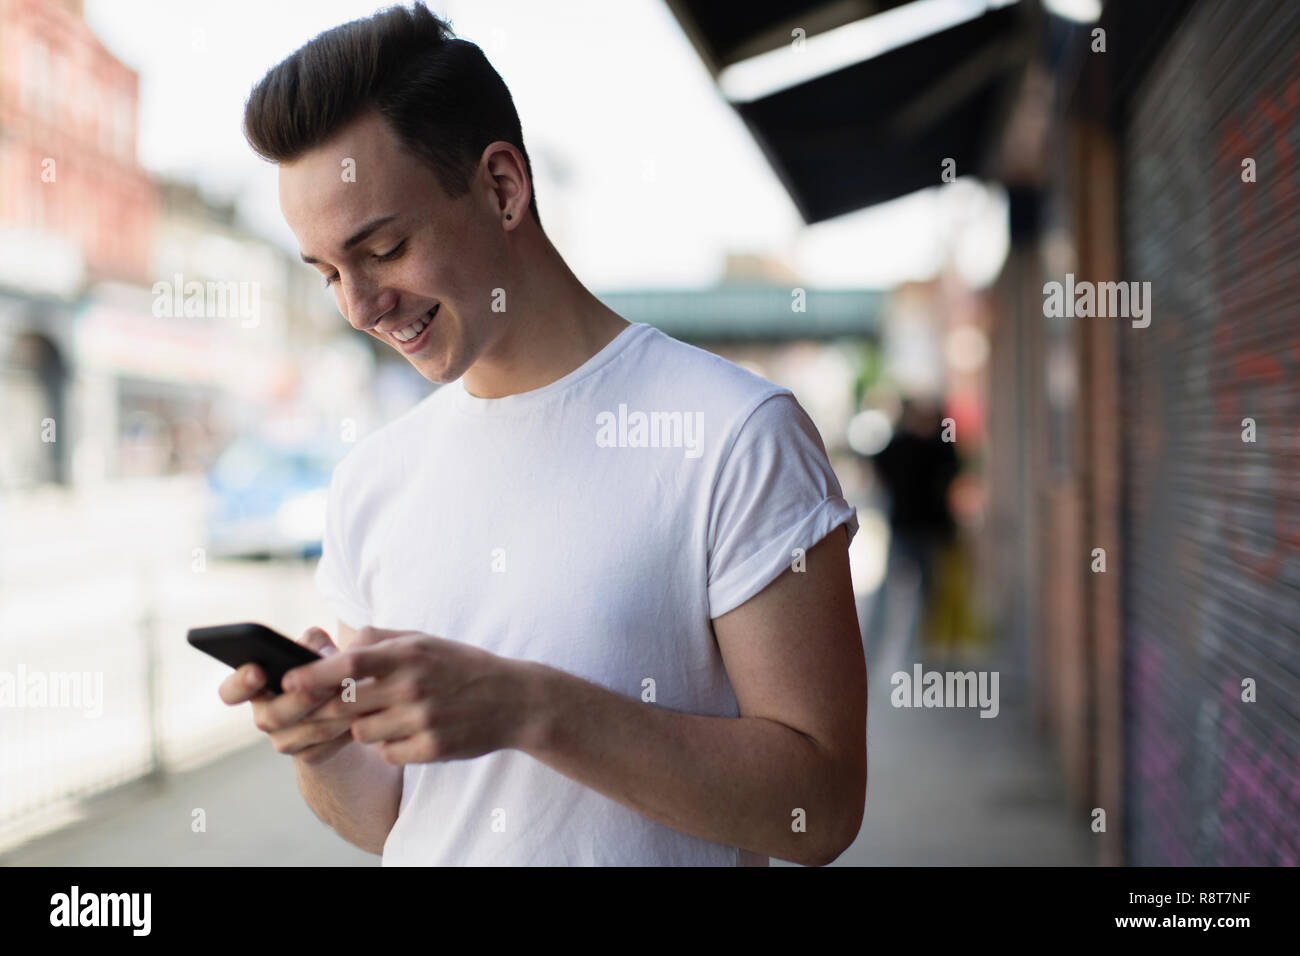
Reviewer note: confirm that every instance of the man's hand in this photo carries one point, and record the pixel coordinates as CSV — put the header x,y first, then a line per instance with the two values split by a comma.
x,y
291,720
419,698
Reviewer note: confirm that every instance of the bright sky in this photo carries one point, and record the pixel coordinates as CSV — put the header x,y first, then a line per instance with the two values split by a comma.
x,y
645,177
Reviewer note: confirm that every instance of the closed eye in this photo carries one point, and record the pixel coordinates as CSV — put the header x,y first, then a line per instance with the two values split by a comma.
x,y
396,251
384,257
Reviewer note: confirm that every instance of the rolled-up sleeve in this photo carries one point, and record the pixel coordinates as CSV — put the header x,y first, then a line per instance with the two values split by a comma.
x,y
774,498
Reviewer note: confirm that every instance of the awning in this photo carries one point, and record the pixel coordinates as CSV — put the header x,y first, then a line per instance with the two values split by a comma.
x,y
879,129
724,33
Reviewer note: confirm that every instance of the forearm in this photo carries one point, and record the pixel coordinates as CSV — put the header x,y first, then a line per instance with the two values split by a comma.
x,y
354,791
735,781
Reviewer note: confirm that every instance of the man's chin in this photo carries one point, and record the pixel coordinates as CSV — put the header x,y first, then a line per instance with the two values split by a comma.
x,y
437,374
436,379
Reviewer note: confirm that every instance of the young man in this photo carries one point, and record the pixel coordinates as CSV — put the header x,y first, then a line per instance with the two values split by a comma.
x,y
593,594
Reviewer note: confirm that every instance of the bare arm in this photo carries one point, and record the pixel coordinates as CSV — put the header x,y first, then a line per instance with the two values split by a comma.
x,y
348,785
788,777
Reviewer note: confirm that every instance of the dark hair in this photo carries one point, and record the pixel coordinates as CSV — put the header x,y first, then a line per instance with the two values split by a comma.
x,y
439,94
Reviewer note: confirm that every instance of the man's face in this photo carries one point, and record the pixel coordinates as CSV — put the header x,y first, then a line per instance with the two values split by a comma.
x,y
432,252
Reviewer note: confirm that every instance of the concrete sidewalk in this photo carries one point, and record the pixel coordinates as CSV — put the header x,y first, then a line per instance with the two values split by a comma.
x,y
950,788
254,815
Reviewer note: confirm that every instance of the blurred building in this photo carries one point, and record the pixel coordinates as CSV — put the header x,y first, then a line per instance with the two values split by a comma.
x,y
75,206
170,372
70,184
141,324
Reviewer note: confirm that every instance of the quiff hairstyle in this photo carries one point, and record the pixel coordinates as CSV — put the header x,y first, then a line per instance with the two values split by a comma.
x,y
439,95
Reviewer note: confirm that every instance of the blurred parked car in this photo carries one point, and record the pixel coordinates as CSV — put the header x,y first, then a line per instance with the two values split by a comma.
x,y
267,500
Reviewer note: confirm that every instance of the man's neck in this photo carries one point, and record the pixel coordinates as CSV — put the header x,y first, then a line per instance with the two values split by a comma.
x,y
549,341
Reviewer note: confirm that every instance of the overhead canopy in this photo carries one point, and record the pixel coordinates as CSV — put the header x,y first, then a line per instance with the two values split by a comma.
x,y
724,32
878,129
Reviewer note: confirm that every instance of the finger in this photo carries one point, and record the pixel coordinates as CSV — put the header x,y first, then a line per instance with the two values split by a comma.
x,y
284,710
324,677
417,749
309,733
324,750
392,723
318,639
243,684
363,697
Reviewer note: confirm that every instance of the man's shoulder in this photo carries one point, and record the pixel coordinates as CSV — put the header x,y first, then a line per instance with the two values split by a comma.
x,y
700,379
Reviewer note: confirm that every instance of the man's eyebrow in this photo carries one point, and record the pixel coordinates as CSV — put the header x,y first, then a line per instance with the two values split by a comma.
x,y
359,236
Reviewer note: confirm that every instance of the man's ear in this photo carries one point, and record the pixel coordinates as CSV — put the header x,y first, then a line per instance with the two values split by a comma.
x,y
508,179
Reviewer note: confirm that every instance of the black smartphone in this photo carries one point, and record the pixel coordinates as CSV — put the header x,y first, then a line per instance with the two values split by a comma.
x,y
240,644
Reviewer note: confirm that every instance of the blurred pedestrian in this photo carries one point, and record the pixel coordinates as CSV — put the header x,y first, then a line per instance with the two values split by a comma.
x,y
916,468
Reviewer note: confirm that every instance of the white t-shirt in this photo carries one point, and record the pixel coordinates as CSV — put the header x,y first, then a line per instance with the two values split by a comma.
x,y
568,525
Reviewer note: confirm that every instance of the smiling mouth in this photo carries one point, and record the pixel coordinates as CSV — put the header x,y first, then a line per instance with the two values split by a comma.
x,y
413,331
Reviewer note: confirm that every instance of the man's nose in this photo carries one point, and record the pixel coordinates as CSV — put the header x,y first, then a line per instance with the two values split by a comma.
x,y
367,304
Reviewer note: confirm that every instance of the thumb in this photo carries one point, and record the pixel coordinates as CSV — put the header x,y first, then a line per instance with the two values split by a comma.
x,y
319,641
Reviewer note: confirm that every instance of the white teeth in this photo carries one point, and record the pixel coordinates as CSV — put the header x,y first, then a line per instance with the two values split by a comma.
x,y
411,331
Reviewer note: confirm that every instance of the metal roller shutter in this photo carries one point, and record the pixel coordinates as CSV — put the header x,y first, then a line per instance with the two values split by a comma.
x,y
1211,590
